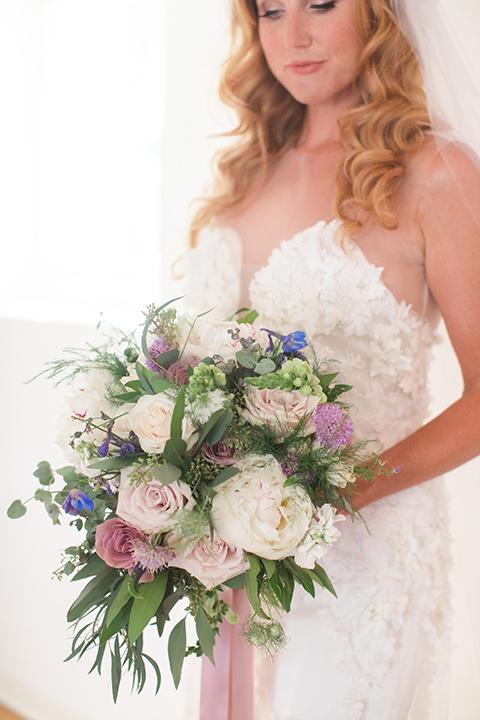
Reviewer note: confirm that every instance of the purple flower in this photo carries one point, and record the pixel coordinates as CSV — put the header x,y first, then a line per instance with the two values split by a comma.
x,y
157,348
126,448
77,502
178,371
333,427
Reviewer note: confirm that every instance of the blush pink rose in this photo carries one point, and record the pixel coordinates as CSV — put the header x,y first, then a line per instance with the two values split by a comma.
x,y
151,506
282,410
211,562
113,542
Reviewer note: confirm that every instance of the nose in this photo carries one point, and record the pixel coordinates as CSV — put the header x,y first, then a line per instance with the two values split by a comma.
x,y
296,31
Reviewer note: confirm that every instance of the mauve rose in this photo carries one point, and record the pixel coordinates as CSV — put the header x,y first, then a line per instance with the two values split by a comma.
x,y
211,562
151,506
219,453
113,542
282,410
178,371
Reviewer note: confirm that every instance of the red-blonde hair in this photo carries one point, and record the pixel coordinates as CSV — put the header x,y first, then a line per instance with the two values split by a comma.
x,y
387,123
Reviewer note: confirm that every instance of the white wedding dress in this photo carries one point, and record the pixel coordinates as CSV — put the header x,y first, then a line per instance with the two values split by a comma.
x,y
371,653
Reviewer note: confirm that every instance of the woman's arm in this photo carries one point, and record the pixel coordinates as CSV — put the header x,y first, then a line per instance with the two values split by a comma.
x,y
449,214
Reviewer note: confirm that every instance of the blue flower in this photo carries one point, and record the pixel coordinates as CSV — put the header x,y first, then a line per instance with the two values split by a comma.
x,y
76,502
294,341
126,448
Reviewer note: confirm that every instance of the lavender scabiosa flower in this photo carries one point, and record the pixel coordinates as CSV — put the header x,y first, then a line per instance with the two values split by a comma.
x,y
289,465
333,427
157,348
76,502
150,557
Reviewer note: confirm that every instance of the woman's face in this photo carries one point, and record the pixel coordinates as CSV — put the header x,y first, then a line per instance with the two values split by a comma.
x,y
313,49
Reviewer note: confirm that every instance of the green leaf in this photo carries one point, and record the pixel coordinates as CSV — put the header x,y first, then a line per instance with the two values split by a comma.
x,y
245,359
116,463
217,431
144,609
326,379
94,591
149,321
94,566
337,390
159,384
301,575
174,451
270,567
98,660
121,598
157,671
16,510
252,584
166,473
223,475
143,376
205,634
116,669
128,397
44,473
319,575
264,366
165,359
178,414
177,644
237,582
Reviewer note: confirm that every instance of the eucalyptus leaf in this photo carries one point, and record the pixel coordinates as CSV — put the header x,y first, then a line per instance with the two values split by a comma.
x,y
94,591
246,359
270,567
264,366
178,414
223,475
205,634
94,566
320,576
116,669
16,510
145,608
216,433
44,473
120,599
237,583
166,473
177,644
252,584
143,376
173,452
157,671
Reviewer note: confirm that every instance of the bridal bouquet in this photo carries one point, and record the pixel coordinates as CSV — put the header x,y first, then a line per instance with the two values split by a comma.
x,y
209,455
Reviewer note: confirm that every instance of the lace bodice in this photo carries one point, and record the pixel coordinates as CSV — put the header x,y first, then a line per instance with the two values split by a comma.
x,y
393,596
338,298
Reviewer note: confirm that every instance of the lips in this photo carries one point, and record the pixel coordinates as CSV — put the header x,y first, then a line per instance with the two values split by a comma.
x,y
305,67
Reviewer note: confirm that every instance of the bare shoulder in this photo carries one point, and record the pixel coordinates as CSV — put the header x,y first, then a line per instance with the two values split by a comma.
x,y
441,167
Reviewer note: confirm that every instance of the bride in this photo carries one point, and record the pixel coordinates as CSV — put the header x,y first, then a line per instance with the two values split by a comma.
x,y
339,211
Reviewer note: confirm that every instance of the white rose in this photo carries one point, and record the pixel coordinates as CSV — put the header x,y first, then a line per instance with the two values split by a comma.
x,y
256,512
150,420
151,506
340,476
212,337
320,535
211,562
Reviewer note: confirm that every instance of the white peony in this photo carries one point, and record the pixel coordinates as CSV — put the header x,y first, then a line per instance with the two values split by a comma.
x,y
211,337
255,511
320,535
150,420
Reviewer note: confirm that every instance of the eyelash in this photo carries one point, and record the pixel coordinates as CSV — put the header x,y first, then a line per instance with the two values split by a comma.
x,y
321,7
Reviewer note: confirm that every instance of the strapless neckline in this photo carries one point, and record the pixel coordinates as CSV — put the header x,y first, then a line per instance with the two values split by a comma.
x,y
349,246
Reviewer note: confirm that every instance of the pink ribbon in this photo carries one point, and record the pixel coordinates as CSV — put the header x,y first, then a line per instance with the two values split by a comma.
x,y
227,687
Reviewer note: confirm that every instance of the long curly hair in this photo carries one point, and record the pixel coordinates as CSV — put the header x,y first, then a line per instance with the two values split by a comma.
x,y
387,123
